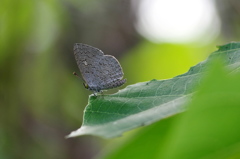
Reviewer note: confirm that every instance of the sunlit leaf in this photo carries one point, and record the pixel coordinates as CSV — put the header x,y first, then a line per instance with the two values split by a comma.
x,y
208,130
144,103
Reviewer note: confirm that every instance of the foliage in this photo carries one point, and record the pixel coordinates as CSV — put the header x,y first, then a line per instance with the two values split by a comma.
x,y
209,129
144,103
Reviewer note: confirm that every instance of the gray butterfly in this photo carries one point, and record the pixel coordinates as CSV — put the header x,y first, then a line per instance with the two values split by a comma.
x,y
99,71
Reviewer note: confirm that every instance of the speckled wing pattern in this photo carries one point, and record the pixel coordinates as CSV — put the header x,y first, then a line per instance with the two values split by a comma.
x,y
99,71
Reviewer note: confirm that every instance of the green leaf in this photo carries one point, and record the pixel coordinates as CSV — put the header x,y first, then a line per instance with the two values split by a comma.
x,y
144,103
146,143
208,130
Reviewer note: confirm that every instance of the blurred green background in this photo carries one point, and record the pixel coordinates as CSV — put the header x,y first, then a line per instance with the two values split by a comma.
x,y
41,101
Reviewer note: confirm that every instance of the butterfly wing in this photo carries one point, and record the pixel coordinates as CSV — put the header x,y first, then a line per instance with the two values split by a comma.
x,y
86,56
110,72
99,71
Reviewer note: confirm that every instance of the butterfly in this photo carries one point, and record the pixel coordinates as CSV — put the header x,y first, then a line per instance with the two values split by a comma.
x,y
99,71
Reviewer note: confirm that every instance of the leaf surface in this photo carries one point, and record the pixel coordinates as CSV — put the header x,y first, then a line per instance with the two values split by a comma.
x,y
147,102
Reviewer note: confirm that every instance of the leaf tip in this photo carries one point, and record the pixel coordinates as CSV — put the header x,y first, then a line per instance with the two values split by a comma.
x,y
75,133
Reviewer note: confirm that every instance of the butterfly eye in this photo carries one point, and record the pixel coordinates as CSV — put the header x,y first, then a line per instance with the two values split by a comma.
x,y
85,85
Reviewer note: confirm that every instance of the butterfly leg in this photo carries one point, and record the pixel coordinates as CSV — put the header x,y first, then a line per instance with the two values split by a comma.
x,y
95,94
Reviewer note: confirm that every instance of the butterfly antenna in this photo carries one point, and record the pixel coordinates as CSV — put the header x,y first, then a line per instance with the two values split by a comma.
x,y
74,73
